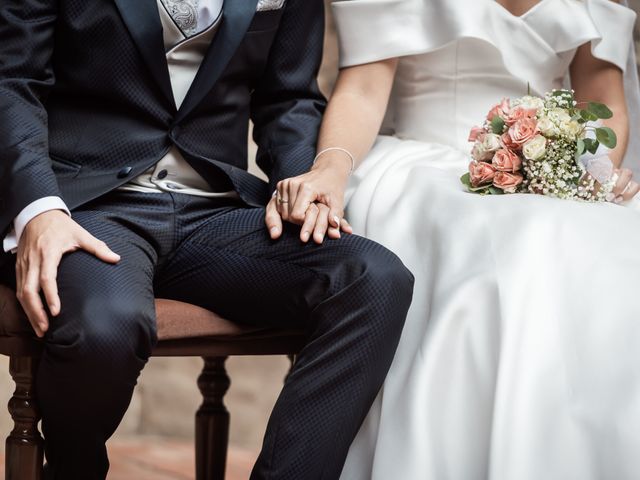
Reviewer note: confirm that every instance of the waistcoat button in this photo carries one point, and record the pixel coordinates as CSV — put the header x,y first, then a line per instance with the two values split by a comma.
x,y
124,172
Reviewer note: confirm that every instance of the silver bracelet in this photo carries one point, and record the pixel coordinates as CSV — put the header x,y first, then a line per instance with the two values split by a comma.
x,y
330,149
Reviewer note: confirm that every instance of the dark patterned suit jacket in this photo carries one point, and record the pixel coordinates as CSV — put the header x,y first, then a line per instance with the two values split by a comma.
x,y
86,102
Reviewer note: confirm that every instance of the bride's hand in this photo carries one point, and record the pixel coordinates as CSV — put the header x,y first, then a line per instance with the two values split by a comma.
x,y
314,200
626,188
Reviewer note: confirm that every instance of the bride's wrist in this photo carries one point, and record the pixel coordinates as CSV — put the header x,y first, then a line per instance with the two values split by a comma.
x,y
336,159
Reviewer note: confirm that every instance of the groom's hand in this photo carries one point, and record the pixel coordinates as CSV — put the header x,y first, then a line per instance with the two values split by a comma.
x,y
44,241
314,200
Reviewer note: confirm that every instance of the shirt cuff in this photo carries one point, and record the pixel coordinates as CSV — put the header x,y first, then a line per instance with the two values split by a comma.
x,y
10,242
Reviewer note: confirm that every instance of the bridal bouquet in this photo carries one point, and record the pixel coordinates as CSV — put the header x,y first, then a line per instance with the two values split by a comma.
x,y
537,145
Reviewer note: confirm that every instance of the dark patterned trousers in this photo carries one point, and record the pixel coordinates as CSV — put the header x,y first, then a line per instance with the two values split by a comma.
x,y
351,295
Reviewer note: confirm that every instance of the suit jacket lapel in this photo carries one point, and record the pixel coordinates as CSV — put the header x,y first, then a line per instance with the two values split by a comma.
x,y
236,17
143,21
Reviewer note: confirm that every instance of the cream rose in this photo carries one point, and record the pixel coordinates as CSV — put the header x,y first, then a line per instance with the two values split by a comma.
x,y
535,149
571,129
506,161
491,142
547,127
479,153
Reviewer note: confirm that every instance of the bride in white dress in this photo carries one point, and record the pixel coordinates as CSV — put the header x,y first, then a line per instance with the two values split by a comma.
x,y
520,359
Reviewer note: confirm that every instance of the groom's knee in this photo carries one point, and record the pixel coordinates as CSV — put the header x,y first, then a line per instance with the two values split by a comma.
x,y
380,283
106,336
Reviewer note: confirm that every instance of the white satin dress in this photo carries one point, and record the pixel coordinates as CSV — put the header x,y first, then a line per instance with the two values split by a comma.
x,y
520,359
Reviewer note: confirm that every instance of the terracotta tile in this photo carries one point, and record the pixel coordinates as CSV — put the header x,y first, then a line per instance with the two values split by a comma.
x,y
144,458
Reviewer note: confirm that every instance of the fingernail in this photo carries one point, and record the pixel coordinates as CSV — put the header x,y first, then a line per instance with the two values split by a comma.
x,y
619,200
305,236
336,219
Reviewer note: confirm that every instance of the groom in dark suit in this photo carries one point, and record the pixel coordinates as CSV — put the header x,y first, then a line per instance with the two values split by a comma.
x,y
123,155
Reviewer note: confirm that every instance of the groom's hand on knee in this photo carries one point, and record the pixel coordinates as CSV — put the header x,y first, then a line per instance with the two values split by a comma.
x,y
45,239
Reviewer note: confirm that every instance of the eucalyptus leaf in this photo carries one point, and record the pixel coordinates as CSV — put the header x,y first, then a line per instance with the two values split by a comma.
x,y
495,191
466,179
600,110
588,116
497,125
580,148
591,145
607,137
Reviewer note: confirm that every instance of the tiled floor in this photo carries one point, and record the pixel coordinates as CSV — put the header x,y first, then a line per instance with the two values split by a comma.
x,y
158,459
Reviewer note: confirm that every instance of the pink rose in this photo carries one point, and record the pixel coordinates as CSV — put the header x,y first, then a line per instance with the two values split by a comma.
x,y
523,130
482,173
500,110
507,181
506,161
475,133
520,113
508,143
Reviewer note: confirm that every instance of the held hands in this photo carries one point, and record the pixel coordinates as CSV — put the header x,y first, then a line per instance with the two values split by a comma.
x,y
625,188
314,200
44,241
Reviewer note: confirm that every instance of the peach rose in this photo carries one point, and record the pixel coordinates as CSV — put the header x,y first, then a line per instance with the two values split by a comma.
x,y
506,161
475,133
520,113
523,130
482,173
507,181
500,110
508,143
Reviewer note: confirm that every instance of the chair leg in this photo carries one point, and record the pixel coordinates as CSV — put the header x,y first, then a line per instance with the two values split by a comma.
x,y
212,421
24,447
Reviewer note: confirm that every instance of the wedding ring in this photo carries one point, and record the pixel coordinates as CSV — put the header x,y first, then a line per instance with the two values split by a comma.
x,y
281,201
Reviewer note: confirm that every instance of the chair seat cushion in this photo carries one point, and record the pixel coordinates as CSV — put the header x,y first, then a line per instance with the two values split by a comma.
x,y
179,324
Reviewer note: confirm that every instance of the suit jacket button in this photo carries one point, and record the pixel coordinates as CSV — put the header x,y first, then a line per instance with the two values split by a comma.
x,y
162,174
124,172
175,131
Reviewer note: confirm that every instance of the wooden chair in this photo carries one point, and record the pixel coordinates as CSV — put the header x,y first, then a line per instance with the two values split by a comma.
x,y
183,330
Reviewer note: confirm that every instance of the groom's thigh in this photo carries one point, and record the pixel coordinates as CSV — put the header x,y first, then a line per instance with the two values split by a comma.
x,y
231,266
107,319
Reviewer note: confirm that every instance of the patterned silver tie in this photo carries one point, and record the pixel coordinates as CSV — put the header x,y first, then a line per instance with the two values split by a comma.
x,y
185,14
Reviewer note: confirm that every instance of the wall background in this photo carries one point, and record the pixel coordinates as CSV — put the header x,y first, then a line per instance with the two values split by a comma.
x,y
167,395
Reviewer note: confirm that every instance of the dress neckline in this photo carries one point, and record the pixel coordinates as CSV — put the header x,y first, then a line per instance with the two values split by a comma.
x,y
525,14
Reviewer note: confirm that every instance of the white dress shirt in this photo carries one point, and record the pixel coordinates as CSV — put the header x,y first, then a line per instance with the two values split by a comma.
x,y
171,173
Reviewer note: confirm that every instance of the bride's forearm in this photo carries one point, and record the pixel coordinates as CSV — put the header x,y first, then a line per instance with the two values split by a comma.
x,y
355,113
619,124
599,81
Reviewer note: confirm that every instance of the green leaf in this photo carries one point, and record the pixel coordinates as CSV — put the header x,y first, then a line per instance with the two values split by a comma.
x,y
466,179
591,145
588,116
495,191
607,137
580,148
600,110
497,125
